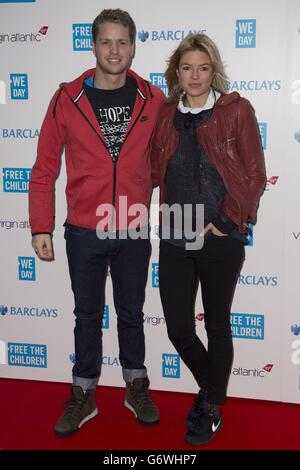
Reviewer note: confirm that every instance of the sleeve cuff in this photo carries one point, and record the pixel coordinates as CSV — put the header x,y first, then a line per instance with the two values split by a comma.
x,y
41,233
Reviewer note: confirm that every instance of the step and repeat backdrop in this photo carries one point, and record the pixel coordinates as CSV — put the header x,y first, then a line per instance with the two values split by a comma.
x,y
45,42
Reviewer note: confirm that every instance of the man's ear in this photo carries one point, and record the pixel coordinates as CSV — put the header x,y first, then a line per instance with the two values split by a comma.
x,y
133,51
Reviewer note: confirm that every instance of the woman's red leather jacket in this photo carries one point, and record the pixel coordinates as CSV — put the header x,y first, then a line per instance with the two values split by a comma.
x,y
231,140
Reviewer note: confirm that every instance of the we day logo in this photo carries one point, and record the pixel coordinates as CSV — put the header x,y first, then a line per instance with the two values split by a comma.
x,y
245,35
26,268
171,366
19,86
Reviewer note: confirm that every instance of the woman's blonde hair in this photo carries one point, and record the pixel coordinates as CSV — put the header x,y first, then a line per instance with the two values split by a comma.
x,y
195,42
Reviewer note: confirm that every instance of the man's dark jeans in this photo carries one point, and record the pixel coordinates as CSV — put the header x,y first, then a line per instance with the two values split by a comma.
x,y
89,258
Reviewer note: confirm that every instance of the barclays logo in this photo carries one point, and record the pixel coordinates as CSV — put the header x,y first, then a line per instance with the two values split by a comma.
x,y
297,136
167,35
254,280
72,358
29,312
106,360
254,85
295,329
20,133
3,310
110,361
143,36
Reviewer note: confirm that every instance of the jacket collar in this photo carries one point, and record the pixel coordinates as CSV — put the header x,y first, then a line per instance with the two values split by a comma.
x,y
75,88
223,100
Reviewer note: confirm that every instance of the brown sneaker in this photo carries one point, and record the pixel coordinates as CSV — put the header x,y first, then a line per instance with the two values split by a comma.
x,y
79,409
138,401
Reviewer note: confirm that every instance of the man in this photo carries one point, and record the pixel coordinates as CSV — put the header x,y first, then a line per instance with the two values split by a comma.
x,y
104,120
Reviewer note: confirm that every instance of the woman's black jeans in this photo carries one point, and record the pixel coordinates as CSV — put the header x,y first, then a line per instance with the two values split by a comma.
x,y
216,266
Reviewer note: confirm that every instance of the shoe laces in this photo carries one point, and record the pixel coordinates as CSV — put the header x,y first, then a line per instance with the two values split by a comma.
x,y
74,406
204,419
200,402
141,394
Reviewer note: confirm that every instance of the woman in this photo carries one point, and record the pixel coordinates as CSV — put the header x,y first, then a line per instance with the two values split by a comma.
x,y
206,153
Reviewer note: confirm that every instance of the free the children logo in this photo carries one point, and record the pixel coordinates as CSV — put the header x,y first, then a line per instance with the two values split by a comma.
x,y
247,326
158,79
16,180
23,354
82,37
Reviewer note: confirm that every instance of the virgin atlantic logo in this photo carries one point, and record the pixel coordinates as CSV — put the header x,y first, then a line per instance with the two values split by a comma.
x,y
268,367
271,182
43,30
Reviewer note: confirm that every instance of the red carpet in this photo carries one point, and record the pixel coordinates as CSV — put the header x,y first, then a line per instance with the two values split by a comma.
x,y
30,409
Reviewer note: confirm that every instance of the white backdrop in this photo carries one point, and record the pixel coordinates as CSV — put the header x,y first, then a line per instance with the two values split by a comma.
x,y
42,45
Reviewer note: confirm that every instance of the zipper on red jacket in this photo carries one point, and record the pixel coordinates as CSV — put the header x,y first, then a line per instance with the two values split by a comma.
x,y
115,162
114,185
91,125
136,119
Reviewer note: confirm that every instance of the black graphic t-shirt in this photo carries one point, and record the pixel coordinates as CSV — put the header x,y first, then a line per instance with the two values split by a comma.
x,y
113,110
